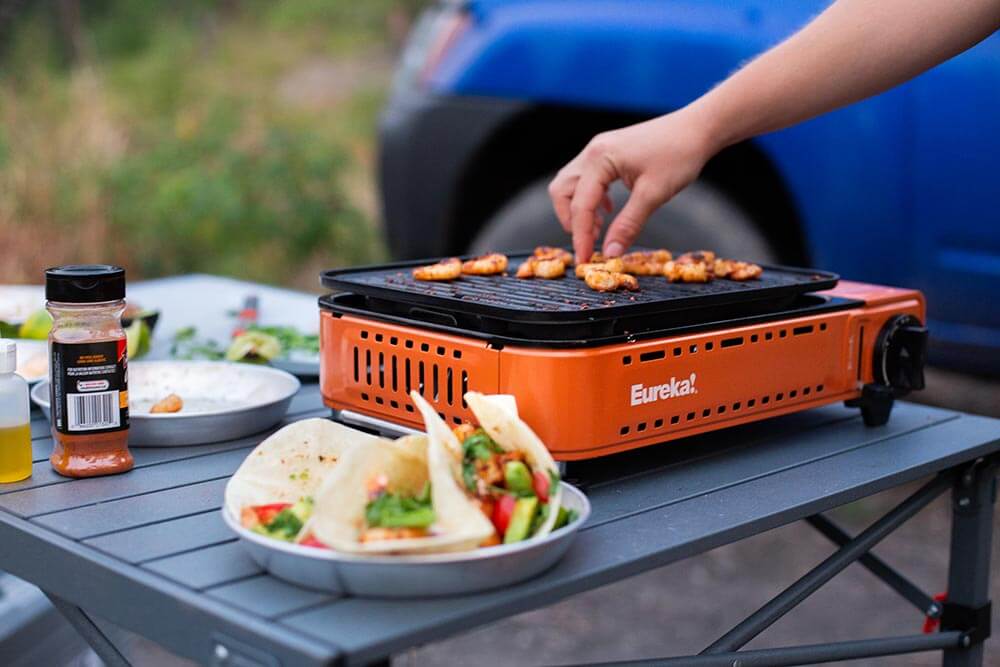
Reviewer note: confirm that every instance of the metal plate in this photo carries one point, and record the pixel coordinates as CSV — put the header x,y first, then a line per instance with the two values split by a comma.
x,y
305,366
222,401
415,576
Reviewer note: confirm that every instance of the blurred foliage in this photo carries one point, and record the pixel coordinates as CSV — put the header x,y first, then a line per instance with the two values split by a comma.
x,y
223,136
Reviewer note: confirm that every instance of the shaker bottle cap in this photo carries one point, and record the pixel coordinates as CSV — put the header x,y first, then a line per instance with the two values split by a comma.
x,y
8,356
85,283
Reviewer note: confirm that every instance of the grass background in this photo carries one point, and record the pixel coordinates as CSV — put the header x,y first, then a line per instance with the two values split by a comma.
x,y
233,137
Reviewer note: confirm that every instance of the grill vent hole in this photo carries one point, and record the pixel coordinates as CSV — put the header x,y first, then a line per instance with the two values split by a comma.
x,y
658,423
732,342
800,331
652,356
675,419
626,360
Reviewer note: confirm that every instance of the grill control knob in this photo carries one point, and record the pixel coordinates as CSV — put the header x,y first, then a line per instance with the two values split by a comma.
x,y
900,354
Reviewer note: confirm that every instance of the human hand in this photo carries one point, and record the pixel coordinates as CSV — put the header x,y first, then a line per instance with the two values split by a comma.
x,y
655,160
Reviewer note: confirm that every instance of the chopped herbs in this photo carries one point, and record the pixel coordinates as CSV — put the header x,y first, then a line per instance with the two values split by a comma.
x,y
480,446
391,510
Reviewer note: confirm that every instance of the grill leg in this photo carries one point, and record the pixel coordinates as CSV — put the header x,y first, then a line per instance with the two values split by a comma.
x,y
973,498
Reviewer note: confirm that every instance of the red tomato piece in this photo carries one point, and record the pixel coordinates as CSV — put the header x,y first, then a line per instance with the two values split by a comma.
x,y
502,511
266,513
311,541
540,480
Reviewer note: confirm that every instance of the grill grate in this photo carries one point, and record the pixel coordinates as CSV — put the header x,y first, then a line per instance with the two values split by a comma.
x,y
568,298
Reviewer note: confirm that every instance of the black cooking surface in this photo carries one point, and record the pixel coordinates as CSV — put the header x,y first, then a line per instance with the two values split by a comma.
x,y
567,298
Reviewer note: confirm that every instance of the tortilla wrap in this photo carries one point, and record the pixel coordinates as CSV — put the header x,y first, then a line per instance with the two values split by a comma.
x,y
497,415
408,464
291,463
513,434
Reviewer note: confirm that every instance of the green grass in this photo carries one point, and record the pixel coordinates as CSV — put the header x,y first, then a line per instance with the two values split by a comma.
x,y
178,138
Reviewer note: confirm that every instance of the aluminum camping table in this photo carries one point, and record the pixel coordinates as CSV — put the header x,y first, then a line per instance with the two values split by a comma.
x,y
148,550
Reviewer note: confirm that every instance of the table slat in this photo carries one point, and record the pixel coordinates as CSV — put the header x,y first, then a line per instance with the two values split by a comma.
x,y
207,567
165,538
57,497
135,511
268,596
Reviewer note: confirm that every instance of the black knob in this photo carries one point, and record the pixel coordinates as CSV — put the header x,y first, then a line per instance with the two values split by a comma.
x,y
901,353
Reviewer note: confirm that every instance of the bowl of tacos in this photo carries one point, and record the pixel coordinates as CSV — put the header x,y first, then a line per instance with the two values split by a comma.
x,y
445,512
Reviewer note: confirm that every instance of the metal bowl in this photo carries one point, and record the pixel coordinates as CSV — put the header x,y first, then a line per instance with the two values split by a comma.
x,y
414,576
222,401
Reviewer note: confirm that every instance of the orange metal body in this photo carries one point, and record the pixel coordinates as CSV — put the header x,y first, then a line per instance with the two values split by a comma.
x,y
590,402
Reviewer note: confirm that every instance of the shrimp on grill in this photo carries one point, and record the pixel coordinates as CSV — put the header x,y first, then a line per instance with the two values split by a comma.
x,y
613,265
697,256
736,270
552,252
446,269
608,281
646,262
687,272
485,265
534,267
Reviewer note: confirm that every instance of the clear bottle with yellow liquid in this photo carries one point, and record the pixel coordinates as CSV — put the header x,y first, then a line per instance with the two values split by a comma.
x,y
15,418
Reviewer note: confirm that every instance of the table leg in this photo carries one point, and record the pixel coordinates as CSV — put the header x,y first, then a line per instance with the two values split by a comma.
x,y
968,600
92,634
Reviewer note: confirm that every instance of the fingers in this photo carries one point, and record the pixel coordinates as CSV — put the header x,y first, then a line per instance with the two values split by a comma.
x,y
561,193
629,222
585,221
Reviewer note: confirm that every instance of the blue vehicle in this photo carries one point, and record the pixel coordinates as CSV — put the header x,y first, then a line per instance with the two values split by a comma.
x,y
493,96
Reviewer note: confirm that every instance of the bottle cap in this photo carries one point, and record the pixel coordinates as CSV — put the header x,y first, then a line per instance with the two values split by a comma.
x,y
85,283
8,356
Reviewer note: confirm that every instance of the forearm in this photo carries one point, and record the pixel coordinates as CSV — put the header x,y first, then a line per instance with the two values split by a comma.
x,y
854,49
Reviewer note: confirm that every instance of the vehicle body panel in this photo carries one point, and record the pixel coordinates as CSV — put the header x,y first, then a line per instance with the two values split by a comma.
x,y
898,189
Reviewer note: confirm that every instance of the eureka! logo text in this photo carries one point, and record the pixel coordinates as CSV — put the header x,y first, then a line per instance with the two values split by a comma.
x,y
641,394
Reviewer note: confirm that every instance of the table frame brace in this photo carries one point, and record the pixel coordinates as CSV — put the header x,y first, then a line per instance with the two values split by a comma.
x,y
965,616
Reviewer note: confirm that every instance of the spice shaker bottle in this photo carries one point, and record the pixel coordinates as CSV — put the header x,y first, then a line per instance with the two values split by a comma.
x,y
88,369
15,418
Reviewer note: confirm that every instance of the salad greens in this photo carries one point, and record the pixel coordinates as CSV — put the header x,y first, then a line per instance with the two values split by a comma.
x,y
391,510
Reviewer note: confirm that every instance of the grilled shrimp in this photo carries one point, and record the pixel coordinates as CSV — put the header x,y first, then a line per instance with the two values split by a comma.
x,y
379,534
736,270
646,262
446,269
534,267
172,403
463,431
608,281
614,265
687,272
552,252
697,256
485,265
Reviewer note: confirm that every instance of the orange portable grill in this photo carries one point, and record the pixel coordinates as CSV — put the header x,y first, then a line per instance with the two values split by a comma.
x,y
597,373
